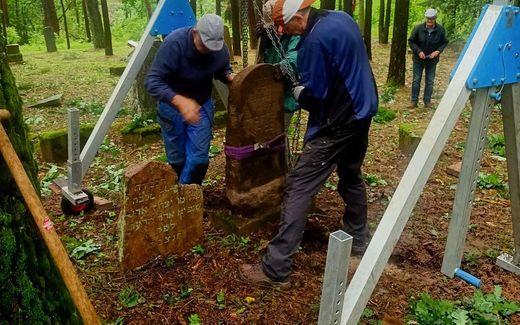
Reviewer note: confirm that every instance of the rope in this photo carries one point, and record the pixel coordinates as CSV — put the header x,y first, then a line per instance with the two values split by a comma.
x,y
260,148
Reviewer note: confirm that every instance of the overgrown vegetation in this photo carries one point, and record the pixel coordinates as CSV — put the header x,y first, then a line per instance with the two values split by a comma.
x,y
479,309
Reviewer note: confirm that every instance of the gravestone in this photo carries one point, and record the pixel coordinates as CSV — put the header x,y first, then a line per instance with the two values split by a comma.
x,y
159,217
13,53
145,103
50,41
254,185
410,134
54,144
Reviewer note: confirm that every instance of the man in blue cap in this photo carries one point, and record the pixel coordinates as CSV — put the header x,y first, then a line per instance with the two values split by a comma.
x,y
181,78
427,42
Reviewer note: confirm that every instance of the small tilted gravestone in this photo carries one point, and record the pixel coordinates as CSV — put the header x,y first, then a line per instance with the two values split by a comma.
x,y
159,217
54,144
13,53
52,101
410,134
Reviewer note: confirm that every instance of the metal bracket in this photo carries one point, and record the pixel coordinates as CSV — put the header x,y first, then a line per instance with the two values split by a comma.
x,y
499,62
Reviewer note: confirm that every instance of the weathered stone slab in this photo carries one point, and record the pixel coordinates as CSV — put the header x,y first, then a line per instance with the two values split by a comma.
x,y
454,170
52,101
159,217
144,135
410,134
116,71
13,53
145,103
255,184
54,144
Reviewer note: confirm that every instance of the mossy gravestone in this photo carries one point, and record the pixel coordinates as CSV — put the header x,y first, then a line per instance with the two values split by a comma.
x,y
410,134
13,53
54,144
159,217
255,184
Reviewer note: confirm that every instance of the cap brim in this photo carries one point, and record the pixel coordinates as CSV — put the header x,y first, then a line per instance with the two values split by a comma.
x,y
213,45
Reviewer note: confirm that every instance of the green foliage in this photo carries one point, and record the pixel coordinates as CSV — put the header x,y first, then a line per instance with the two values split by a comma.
x,y
374,180
49,177
138,121
169,261
194,319
85,248
388,94
198,250
113,180
488,181
384,115
93,107
480,309
12,35
108,146
232,241
162,157
185,292
221,299
471,258
214,150
129,297
495,142
458,17
330,185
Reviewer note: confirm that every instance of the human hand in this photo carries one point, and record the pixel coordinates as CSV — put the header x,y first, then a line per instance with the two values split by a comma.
x,y
421,55
188,108
434,54
278,73
297,91
260,30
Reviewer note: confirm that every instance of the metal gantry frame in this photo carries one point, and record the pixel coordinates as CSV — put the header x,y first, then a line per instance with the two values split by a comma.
x,y
168,16
488,68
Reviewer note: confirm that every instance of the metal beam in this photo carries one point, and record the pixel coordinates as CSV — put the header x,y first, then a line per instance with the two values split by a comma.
x,y
414,178
475,143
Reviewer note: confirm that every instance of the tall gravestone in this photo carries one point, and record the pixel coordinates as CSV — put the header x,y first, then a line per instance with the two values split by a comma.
x,y
254,184
146,104
160,217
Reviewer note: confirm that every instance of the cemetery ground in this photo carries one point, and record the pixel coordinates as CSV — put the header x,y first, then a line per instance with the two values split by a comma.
x,y
203,284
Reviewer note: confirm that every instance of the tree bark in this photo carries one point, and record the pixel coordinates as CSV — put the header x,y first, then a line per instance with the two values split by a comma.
x,y
381,22
218,7
31,288
328,4
50,18
235,26
386,27
65,24
251,17
361,15
106,24
148,7
368,28
347,7
397,65
96,24
193,4
87,22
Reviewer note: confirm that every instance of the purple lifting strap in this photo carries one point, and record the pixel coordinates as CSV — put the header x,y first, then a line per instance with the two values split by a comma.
x,y
239,153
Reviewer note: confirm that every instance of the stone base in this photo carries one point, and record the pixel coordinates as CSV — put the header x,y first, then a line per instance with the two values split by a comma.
x,y
54,144
410,135
238,224
257,197
505,261
15,57
141,136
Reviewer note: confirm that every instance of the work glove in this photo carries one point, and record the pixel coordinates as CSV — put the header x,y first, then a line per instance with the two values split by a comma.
x,y
278,72
260,30
297,91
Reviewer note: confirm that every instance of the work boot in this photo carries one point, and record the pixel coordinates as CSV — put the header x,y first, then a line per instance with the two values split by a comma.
x,y
254,274
413,104
428,105
359,248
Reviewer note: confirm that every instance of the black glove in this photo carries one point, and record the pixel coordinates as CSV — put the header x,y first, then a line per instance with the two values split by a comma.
x,y
260,30
278,73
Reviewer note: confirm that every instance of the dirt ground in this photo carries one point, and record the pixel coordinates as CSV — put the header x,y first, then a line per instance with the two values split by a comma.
x,y
163,284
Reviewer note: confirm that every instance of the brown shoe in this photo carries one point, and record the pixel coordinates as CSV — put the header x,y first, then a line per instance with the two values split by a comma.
x,y
428,105
413,104
254,274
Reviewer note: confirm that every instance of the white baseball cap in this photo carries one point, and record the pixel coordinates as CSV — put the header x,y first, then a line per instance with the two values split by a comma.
x,y
430,13
284,10
211,31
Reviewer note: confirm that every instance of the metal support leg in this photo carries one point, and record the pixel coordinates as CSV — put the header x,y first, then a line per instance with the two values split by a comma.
x,y
335,278
475,143
511,120
73,191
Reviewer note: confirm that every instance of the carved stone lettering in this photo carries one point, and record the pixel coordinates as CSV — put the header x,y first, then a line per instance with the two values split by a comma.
x,y
160,217
255,117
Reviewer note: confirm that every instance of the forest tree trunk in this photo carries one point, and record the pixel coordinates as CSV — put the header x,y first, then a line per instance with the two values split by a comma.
x,y
87,22
397,65
381,23
235,26
347,7
368,28
50,18
386,28
106,24
31,288
361,15
328,4
96,24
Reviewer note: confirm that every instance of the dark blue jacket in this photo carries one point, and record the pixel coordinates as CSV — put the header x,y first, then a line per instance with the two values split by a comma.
x,y
427,41
179,69
333,67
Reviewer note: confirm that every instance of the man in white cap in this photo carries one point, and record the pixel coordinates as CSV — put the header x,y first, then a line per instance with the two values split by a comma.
x,y
181,78
427,42
337,87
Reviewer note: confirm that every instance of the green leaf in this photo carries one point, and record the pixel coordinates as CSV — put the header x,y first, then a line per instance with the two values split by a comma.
x,y
129,297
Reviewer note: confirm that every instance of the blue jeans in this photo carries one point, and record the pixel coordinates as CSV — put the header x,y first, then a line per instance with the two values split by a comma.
x,y
429,67
186,145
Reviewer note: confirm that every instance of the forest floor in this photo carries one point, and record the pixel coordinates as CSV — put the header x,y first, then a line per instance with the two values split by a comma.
x,y
172,289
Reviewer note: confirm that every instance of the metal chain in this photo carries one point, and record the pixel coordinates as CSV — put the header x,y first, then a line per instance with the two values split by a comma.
x,y
245,32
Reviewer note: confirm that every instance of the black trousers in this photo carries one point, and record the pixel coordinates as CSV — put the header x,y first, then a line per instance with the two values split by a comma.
x,y
343,147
